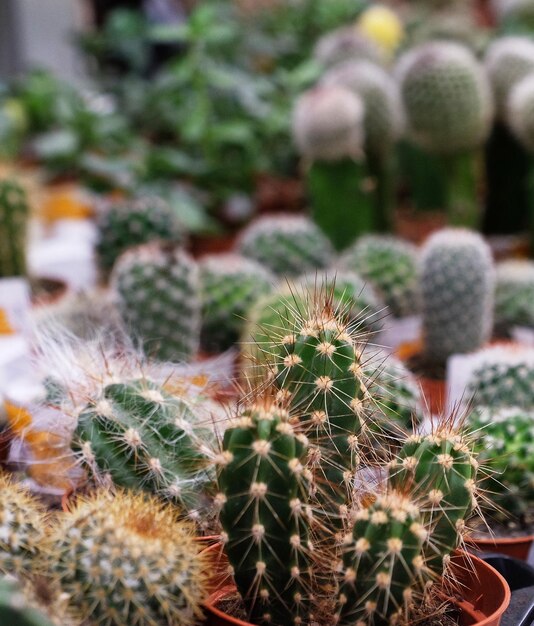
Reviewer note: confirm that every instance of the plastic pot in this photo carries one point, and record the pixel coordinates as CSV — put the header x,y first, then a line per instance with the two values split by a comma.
x,y
516,547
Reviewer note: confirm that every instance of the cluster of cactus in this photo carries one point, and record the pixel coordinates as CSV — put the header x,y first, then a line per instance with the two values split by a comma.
x,y
286,245
130,223
390,265
514,295
520,114
157,290
14,218
457,285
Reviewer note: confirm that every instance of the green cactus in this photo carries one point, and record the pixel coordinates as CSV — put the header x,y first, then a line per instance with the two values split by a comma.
x,y
127,560
521,111
286,245
383,563
143,438
263,493
390,265
457,284
131,223
15,609
231,285
344,44
514,295
157,290
14,217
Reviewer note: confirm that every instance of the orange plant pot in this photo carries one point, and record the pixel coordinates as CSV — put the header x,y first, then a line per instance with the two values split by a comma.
x,y
516,547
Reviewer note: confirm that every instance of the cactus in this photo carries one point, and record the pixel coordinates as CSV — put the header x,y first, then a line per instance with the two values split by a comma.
x,y
514,295
508,60
390,265
14,217
383,563
22,529
263,494
344,44
328,132
521,111
131,223
142,437
286,245
457,283
230,286
449,111
158,294
15,610
128,560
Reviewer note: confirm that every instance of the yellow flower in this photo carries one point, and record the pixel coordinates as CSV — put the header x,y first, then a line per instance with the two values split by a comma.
x,y
383,26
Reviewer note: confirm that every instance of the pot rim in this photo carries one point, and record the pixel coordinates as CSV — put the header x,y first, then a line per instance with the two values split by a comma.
x,y
495,541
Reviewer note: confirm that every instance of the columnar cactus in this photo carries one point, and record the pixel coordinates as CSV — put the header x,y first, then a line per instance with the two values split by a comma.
x,y
390,265
344,44
263,494
521,111
158,294
128,560
131,223
230,286
286,245
514,295
141,437
457,283
14,216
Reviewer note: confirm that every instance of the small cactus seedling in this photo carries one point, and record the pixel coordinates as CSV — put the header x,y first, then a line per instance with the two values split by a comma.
x,y
131,223
390,265
286,245
128,560
514,295
230,285
457,284
157,290
14,217
263,494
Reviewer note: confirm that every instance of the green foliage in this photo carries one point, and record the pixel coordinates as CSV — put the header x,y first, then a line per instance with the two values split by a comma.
x,y
14,218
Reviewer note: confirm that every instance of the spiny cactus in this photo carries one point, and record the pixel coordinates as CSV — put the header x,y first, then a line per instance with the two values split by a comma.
x,y
286,245
514,294
144,438
230,285
383,562
343,44
14,217
390,265
128,560
521,111
15,610
22,529
158,294
131,223
263,493
457,283
508,60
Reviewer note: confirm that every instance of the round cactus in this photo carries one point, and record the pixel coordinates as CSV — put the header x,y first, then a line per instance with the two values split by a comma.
x,y
514,295
446,96
157,290
343,44
521,111
14,218
286,245
457,283
390,265
230,286
508,60
134,222
128,560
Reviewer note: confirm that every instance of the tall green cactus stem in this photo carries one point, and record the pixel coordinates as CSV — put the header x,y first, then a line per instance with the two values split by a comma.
x,y
157,290
14,217
457,284
14,607
328,132
383,563
230,285
128,560
263,493
440,471
145,439
514,295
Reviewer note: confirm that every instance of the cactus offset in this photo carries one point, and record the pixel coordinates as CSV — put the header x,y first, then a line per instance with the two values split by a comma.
x,y
14,217
514,295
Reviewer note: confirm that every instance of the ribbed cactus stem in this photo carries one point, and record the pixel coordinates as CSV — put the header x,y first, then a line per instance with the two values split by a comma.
x,y
14,217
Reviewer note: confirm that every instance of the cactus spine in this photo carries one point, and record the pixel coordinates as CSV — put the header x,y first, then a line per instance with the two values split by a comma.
x,y
14,217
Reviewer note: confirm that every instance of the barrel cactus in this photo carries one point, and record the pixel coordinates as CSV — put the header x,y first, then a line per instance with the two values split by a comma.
x,y
128,559
514,295
230,286
457,284
133,222
521,111
14,218
391,266
286,245
157,290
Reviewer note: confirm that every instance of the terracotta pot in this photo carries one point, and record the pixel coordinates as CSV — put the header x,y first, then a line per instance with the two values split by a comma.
x,y
217,566
200,245
516,547
416,226
483,595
